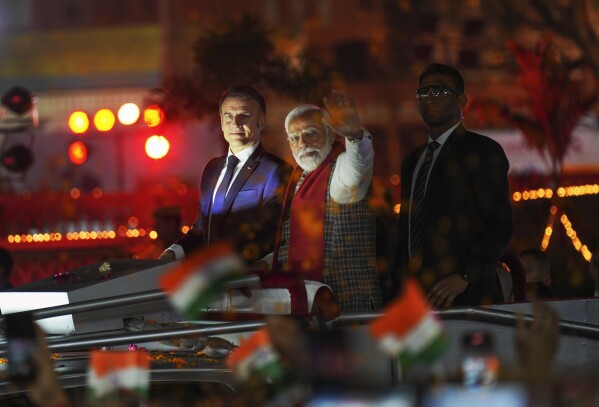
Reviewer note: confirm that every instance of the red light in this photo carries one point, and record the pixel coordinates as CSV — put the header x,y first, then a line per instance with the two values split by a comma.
x,y
104,120
153,116
157,147
77,153
128,114
78,122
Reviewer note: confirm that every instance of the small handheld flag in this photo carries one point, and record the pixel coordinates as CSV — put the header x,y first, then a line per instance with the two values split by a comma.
x,y
408,330
256,356
111,371
193,284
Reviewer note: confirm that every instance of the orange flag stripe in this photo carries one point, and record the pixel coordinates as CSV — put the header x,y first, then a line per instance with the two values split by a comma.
x,y
174,278
103,362
257,340
403,314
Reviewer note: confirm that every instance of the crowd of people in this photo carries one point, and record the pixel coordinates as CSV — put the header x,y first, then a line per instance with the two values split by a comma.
x,y
311,230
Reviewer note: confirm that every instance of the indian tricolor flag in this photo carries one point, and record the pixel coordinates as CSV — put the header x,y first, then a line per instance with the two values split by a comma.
x,y
256,357
193,284
408,330
114,371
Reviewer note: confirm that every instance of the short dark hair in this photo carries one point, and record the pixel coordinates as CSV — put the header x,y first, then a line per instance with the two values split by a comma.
x,y
446,70
6,262
243,92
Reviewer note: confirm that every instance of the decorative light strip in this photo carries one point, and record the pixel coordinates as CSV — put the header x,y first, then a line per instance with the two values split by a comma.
x,y
82,235
583,249
549,228
562,192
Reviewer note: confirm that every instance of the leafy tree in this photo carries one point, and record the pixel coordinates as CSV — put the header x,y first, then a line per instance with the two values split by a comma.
x,y
574,20
554,101
238,52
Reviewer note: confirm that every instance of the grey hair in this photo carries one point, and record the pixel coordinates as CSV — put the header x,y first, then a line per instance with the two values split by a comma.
x,y
304,110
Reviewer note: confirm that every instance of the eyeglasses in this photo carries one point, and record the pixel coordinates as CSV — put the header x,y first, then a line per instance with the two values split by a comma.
x,y
311,134
435,91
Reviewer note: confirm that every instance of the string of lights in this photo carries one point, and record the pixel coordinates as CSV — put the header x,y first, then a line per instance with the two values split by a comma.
x,y
562,192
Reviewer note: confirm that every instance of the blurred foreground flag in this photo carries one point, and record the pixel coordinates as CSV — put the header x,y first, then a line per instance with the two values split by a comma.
x,y
123,372
256,358
193,284
408,330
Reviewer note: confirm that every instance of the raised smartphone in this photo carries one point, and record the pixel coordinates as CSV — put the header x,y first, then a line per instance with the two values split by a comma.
x,y
20,346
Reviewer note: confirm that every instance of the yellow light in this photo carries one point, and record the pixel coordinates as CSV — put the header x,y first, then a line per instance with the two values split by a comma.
x,y
397,208
128,114
78,122
153,116
104,120
11,239
17,239
185,229
111,234
517,196
561,192
548,231
93,235
153,235
525,195
548,193
157,147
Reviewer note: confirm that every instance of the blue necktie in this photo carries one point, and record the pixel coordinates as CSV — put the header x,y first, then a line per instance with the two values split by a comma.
x,y
221,192
417,200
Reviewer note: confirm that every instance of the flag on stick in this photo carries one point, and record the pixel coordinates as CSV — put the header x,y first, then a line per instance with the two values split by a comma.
x,y
256,357
193,284
111,371
408,330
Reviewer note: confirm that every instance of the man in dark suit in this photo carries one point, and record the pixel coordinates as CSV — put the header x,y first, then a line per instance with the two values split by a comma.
x,y
241,193
455,219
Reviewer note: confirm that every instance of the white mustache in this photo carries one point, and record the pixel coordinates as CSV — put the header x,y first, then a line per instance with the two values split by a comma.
x,y
308,150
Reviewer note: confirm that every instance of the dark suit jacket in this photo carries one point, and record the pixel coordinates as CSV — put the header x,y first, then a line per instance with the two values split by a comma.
x,y
466,216
251,210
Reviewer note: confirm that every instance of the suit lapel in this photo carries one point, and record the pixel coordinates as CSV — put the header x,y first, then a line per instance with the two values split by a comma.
x,y
211,173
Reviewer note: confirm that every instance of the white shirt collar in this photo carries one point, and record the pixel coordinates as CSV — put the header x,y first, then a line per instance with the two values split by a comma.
x,y
244,154
443,137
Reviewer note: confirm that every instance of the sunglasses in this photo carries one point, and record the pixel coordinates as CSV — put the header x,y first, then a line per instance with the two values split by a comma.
x,y
436,92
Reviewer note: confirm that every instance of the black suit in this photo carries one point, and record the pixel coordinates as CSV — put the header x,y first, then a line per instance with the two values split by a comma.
x,y
466,215
251,210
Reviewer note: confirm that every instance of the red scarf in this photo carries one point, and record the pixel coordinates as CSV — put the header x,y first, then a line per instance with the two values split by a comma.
x,y
306,240
306,209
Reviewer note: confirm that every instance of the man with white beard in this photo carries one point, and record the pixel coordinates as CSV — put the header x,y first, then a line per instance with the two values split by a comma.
x,y
327,230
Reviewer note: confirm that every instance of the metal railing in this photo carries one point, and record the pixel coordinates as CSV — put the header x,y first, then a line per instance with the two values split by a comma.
x,y
113,338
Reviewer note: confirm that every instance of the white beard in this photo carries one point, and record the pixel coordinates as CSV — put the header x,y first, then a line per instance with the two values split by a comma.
x,y
311,162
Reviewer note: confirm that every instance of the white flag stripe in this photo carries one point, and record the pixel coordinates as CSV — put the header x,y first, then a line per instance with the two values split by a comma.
x,y
415,341
130,378
200,280
260,357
